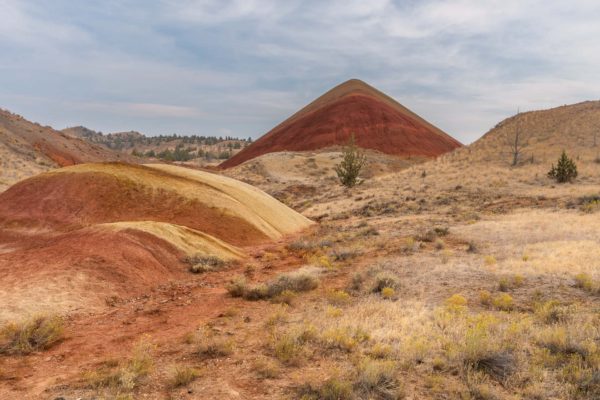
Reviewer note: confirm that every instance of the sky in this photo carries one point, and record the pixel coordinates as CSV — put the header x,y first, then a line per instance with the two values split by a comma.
x,y
239,67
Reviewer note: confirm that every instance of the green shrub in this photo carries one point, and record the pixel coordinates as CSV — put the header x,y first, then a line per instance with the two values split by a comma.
x,y
351,165
564,171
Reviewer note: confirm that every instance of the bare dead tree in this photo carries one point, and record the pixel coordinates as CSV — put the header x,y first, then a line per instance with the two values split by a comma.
x,y
515,141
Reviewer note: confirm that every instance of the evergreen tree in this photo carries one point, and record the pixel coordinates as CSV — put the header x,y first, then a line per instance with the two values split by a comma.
x,y
351,165
565,170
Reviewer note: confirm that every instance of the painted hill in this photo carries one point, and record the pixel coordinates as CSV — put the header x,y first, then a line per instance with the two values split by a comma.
x,y
27,148
118,228
378,122
543,135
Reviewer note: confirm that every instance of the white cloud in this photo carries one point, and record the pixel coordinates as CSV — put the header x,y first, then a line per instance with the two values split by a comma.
x,y
20,25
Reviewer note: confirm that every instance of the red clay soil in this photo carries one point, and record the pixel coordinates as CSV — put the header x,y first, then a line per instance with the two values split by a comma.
x,y
377,121
68,201
163,314
114,263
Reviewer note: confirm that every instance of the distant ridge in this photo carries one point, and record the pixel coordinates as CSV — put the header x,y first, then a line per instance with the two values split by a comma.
x,y
28,148
378,122
544,134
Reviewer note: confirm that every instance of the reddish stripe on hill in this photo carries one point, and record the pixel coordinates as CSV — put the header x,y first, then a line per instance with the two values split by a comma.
x,y
377,121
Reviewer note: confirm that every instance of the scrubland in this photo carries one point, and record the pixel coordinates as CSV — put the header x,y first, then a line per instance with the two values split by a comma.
x,y
445,280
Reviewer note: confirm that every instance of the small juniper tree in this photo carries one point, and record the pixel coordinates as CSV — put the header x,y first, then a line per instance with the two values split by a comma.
x,y
348,170
564,171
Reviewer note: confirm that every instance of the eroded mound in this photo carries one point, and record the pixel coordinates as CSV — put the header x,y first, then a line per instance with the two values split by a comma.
x,y
377,121
73,237
87,194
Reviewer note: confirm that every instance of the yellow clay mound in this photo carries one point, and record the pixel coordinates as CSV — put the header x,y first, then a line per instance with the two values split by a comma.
x,y
225,196
268,214
187,240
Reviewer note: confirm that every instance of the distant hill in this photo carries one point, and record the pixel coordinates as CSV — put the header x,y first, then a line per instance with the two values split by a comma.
x,y
28,148
164,147
377,121
543,135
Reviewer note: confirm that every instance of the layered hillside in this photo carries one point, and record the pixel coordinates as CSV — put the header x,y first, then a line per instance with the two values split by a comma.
x,y
27,148
119,228
542,135
377,121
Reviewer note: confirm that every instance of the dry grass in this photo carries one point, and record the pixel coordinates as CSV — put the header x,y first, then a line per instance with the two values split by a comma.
x,y
120,377
182,376
35,334
302,280
215,347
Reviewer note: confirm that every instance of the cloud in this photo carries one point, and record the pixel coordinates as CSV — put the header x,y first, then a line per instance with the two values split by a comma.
x,y
145,109
243,66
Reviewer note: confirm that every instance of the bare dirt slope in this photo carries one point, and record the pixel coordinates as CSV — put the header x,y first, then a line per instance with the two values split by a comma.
x,y
377,121
27,148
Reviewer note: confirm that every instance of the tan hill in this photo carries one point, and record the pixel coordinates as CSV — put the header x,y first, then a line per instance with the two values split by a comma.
x,y
120,228
377,121
543,135
27,148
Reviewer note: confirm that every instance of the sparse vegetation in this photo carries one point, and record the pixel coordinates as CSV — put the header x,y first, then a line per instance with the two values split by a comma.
x,y
288,348
332,389
433,285
122,376
301,280
503,302
378,379
266,369
388,293
183,376
35,334
201,264
385,280
212,346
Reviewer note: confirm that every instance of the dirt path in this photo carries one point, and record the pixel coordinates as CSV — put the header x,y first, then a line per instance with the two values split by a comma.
x,y
163,315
